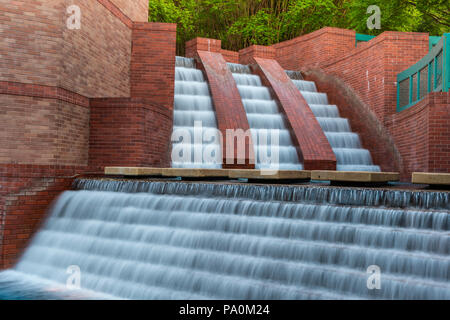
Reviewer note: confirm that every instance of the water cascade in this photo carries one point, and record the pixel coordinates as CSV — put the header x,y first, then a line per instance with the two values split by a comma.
x,y
266,121
196,143
168,240
345,143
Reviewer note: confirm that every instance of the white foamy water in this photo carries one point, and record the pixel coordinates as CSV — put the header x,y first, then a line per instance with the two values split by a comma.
x,y
200,241
346,145
201,147
265,120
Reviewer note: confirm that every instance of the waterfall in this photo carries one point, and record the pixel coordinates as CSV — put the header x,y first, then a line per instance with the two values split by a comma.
x,y
267,124
195,137
169,240
346,144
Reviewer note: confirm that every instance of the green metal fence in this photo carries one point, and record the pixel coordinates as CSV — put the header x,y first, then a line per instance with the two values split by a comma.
x,y
433,40
431,73
363,38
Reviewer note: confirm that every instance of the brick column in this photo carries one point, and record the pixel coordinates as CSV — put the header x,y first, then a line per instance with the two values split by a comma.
x,y
153,62
230,112
313,146
136,131
129,132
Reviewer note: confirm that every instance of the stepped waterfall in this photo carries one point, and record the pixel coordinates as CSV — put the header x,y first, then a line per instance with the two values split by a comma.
x,y
195,137
175,240
165,239
346,144
267,124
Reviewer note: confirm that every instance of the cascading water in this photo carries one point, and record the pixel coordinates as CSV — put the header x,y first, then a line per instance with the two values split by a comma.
x,y
168,240
345,143
265,121
196,143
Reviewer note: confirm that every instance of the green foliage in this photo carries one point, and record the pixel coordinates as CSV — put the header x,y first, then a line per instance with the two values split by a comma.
x,y
260,28
402,15
303,17
435,16
239,23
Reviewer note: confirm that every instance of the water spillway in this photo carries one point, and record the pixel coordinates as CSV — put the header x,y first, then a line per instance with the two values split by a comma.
x,y
346,144
267,124
168,240
195,137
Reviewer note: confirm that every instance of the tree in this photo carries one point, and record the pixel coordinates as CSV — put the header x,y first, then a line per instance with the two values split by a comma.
x,y
239,23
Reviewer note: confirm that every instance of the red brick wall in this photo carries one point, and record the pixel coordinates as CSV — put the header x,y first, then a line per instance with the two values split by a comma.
x,y
43,131
315,48
367,78
136,131
44,122
371,69
129,132
230,56
363,120
96,59
212,45
31,41
422,134
315,150
439,132
136,10
247,55
25,194
37,47
153,62
47,75
230,112
203,44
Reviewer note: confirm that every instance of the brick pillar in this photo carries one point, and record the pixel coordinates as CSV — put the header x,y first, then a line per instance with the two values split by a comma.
x,y
129,132
136,131
313,146
153,62
227,101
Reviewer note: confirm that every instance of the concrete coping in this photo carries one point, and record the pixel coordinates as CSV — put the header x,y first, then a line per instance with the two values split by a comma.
x,y
431,178
354,176
267,175
324,175
194,173
133,171
210,173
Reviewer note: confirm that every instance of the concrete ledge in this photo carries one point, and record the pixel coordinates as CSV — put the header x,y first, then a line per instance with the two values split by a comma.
x,y
133,171
279,175
195,173
431,178
354,176
209,173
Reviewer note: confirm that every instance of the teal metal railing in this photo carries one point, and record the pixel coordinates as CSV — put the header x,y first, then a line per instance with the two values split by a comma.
x,y
363,38
430,74
433,40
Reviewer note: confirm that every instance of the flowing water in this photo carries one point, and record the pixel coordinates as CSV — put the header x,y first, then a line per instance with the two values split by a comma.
x,y
196,143
267,124
345,143
169,240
